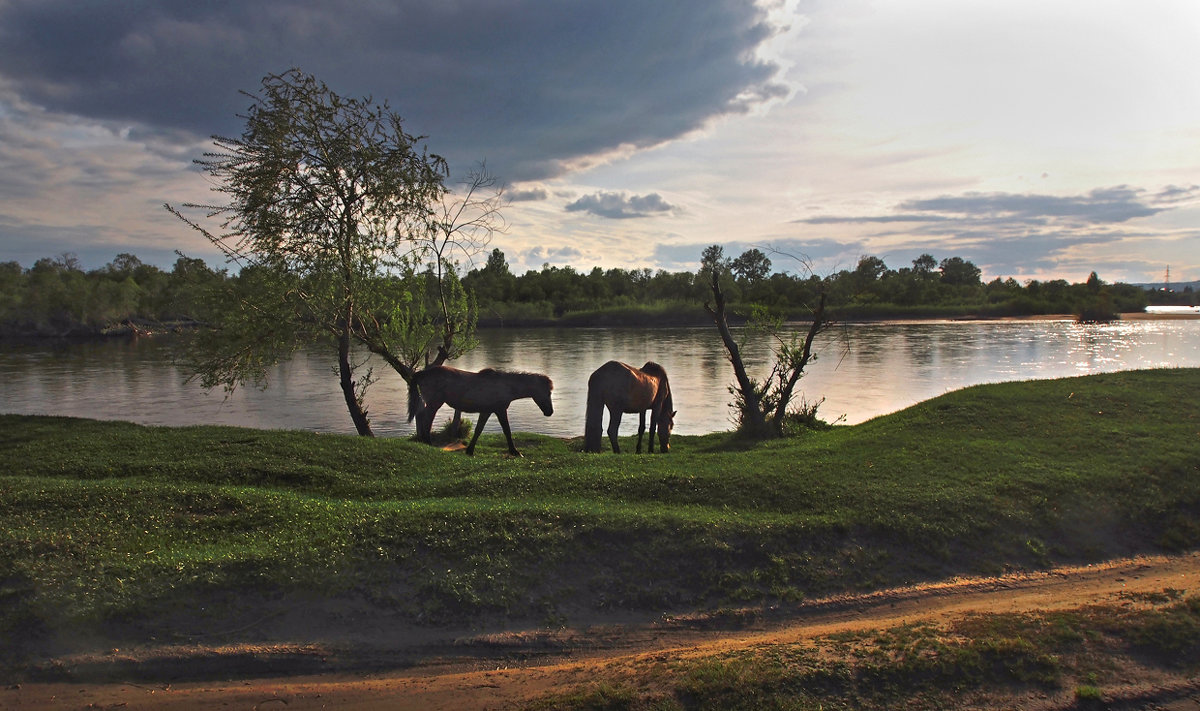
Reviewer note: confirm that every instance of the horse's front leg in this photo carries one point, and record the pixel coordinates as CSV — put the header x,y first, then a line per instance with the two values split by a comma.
x,y
653,429
614,426
478,431
642,431
502,415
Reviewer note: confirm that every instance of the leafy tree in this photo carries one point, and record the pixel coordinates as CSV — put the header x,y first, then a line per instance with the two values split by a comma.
x,y
752,266
190,289
494,282
870,269
12,292
865,279
331,211
959,272
58,297
924,265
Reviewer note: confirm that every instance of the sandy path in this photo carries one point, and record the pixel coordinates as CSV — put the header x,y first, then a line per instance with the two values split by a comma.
x,y
480,684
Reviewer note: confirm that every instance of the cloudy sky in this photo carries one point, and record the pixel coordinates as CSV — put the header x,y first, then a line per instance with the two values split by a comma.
x,y
1036,138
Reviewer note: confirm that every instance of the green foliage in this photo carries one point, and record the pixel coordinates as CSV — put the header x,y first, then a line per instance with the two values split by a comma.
x,y
751,266
57,298
259,322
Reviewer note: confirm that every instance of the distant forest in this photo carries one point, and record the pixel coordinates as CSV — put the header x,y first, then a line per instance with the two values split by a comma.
x,y
56,297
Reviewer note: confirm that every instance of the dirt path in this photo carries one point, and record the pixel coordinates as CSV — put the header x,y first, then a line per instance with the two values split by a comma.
x,y
484,675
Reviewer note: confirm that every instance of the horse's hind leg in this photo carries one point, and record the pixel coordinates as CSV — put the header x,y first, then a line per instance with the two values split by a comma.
x,y
425,421
478,431
502,415
614,426
642,431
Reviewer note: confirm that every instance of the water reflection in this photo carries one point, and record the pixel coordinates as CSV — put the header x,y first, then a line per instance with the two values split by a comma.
x,y
862,370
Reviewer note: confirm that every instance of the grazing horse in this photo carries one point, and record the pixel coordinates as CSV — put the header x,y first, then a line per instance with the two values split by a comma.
x,y
486,392
623,388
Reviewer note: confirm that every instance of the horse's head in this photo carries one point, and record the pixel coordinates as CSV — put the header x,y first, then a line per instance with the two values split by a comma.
x,y
666,423
542,398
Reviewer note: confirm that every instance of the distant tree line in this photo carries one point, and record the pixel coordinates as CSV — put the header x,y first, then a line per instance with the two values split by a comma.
x,y
57,297
1166,296
927,288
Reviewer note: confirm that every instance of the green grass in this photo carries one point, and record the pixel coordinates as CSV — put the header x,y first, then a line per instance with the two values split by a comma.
x,y
104,522
922,666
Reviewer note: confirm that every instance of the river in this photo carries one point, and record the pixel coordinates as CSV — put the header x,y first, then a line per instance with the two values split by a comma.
x,y
863,370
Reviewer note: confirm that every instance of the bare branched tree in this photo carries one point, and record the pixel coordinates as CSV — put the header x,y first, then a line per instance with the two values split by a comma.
x,y
763,406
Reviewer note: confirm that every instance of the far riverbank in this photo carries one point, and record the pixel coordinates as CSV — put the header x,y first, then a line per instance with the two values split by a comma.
x,y
605,318
613,320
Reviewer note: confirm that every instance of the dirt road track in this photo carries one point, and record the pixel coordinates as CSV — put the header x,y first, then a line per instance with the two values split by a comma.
x,y
482,678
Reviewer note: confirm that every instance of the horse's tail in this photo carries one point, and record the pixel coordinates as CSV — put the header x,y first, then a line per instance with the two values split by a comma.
x,y
593,423
414,395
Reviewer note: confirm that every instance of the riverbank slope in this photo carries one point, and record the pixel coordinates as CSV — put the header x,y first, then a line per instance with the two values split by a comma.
x,y
313,553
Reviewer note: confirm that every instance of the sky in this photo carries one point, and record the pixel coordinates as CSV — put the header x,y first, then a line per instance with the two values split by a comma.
x,y
1039,139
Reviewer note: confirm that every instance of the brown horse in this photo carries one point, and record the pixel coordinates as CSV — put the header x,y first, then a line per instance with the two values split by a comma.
x,y
623,388
486,392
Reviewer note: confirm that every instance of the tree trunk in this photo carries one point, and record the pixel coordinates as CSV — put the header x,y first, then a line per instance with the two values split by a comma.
x,y
357,413
753,406
819,323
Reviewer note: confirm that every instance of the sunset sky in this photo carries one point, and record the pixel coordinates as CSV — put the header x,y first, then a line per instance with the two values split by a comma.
x,y
1037,138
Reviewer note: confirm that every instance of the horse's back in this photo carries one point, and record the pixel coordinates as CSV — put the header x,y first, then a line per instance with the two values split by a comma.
x,y
614,376
654,369
440,373
624,386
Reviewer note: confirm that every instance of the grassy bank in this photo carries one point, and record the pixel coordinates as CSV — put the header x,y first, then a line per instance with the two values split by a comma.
x,y
984,661
106,525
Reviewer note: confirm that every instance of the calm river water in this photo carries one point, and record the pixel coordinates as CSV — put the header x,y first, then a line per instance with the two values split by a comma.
x,y
863,370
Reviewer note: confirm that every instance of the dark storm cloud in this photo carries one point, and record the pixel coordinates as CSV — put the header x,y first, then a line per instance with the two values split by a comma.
x,y
529,85
1103,205
530,195
619,206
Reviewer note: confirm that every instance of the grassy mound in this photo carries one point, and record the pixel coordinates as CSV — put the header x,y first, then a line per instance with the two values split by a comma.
x,y
107,522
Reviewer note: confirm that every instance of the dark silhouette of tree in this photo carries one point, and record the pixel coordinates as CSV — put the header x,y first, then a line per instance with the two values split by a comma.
x,y
924,265
752,266
957,271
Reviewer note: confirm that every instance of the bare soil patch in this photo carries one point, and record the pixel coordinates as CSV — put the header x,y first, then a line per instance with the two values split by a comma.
x,y
506,669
